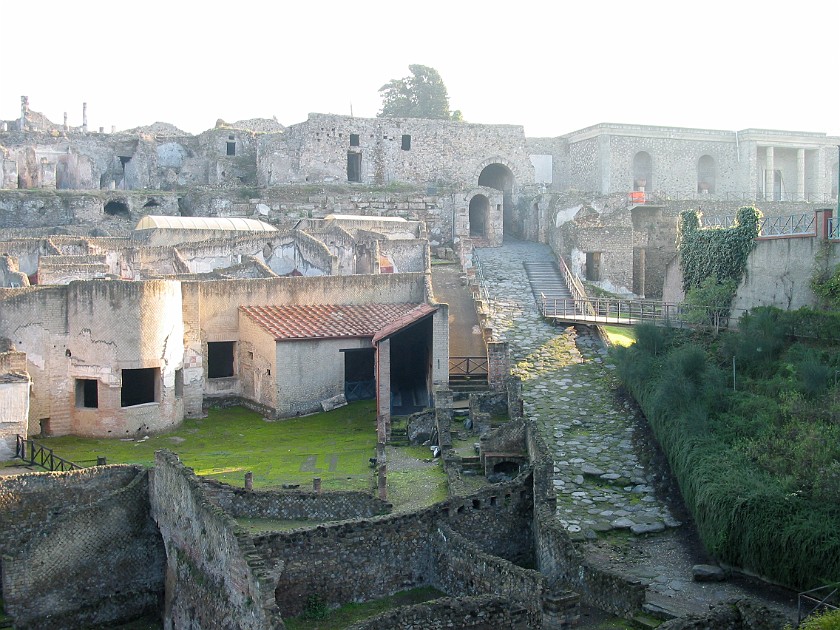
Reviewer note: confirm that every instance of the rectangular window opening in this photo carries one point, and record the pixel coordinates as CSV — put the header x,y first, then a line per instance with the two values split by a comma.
x,y
220,359
179,383
231,148
354,139
406,142
87,393
139,386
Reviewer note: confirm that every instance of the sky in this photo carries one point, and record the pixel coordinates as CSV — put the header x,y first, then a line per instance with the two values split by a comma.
x,y
552,66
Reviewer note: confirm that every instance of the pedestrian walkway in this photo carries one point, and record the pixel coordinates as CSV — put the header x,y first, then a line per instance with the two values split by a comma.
x,y
606,488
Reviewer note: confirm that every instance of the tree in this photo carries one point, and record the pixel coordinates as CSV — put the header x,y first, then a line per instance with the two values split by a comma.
x,y
421,95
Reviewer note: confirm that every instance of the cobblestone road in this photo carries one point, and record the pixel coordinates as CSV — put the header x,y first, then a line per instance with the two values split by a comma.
x,y
602,449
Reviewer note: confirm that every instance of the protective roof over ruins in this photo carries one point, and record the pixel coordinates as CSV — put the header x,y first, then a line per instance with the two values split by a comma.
x,y
153,222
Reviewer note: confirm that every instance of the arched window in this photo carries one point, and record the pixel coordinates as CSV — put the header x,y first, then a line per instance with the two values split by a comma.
x,y
642,171
706,174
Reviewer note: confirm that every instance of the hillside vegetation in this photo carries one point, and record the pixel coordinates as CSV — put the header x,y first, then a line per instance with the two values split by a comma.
x,y
750,423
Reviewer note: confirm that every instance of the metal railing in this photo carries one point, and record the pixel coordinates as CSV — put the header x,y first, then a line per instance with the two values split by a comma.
x,y
791,225
37,455
818,599
359,390
482,283
834,228
631,312
739,196
468,367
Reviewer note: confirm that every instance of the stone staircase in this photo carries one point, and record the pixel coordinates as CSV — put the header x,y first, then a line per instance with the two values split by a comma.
x,y
546,280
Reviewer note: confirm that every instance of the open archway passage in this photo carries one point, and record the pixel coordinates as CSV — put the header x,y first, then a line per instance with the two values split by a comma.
x,y
479,207
500,177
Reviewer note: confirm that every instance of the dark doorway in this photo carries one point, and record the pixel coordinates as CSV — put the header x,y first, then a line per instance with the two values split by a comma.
x,y
354,167
411,356
406,142
642,172
231,146
139,387
593,266
87,393
359,379
219,359
479,207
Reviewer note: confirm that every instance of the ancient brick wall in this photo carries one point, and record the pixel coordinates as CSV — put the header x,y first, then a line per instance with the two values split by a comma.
x,y
370,558
79,548
294,504
462,568
485,612
437,151
213,578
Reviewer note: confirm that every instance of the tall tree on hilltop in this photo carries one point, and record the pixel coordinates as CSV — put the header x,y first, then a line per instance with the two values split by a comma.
x,y
421,95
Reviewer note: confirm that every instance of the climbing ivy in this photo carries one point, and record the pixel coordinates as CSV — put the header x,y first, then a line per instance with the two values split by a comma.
x,y
719,253
825,281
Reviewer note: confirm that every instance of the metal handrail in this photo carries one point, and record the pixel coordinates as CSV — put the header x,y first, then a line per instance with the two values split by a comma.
x,y
793,224
810,598
834,228
39,455
482,283
468,366
690,195
631,312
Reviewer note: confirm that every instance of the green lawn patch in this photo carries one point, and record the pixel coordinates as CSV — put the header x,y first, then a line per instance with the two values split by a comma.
x,y
335,446
620,335
318,617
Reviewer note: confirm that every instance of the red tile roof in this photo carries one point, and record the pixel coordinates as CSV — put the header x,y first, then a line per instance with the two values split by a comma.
x,y
330,321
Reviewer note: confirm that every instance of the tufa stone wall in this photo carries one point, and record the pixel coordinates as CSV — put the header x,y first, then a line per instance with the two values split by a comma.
x,y
294,505
370,558
485,612
213,577
79,548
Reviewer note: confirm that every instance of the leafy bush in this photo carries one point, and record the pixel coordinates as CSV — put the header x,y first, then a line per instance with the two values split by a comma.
x,y
652,339
759,468
829,620
813,378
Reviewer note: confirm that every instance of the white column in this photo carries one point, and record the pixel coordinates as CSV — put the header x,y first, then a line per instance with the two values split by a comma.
x,y
769,174
800,174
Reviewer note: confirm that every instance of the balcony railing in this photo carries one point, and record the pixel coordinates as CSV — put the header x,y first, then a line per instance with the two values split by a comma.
x,y
791,225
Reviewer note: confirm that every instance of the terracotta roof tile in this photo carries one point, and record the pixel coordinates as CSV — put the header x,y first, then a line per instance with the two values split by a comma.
x,y
329,321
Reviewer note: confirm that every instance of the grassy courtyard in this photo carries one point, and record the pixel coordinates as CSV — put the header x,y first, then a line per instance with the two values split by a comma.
x,y
335,446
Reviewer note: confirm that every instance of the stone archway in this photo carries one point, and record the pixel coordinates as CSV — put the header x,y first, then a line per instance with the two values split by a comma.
x,y
499,176
479,209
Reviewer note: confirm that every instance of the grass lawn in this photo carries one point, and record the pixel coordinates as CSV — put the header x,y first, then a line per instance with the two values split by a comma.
x,y
318,617
335,446
620,335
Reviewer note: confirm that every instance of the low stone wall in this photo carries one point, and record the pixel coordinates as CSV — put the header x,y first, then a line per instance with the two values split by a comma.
x,y
371,558
557,557
481,613
461,568
294,505
79,548
213,576
736,615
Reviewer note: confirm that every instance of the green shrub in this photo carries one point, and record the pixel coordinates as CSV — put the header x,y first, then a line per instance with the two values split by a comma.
x,y
813,378
829,620
651,339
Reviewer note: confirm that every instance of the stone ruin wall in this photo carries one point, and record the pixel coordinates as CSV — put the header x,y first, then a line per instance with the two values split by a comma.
x,y
371,558
294,505
93,330
79,548
213,576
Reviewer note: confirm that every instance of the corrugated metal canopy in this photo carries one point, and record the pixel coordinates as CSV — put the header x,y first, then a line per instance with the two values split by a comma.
x,y
153,222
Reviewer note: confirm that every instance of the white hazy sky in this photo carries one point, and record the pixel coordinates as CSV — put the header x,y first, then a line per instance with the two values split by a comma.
x,y
553,66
